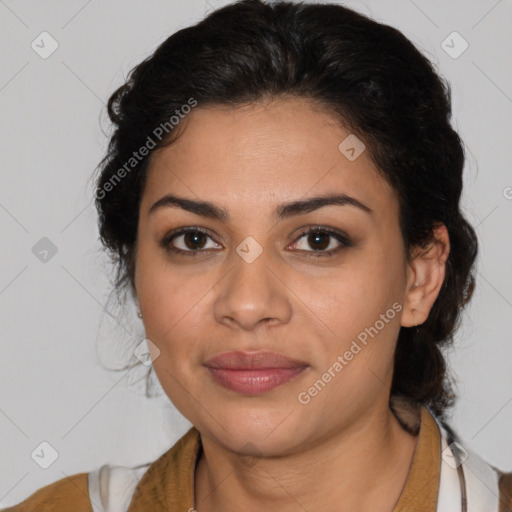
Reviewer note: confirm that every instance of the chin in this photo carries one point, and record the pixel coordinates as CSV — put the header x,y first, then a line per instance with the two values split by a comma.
x,y
254,432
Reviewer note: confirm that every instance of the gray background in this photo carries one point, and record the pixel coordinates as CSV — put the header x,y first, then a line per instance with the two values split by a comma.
x,y
52,312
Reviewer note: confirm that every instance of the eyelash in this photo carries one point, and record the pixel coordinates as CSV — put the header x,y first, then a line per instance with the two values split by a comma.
x,y
339,236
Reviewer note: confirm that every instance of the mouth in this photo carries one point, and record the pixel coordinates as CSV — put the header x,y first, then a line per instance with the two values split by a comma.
x,y
253,373
253,382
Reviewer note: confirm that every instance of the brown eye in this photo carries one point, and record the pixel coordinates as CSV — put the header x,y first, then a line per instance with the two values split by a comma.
x,y
194,239
188,241
321,239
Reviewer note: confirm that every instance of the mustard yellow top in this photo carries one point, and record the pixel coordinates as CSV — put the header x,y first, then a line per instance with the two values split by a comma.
x,y
168,484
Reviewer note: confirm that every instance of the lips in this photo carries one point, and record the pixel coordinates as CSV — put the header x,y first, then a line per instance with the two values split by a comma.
x,y
241,360
253,373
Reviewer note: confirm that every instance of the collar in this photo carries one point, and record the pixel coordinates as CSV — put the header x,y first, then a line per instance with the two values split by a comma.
x,y
421,487
168,484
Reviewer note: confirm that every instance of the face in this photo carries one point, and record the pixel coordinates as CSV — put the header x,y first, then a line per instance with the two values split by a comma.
x,y
322,285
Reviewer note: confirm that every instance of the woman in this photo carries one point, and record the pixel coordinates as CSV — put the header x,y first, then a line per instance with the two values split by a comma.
x,y
281,196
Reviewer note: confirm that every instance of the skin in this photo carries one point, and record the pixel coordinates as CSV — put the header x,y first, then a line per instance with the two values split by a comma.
x,y
270,450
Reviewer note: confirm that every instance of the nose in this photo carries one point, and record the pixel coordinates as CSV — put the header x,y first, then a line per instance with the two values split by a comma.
x,y
253,293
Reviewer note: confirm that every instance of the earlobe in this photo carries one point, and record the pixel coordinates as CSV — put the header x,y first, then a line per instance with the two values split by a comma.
x,y
426,275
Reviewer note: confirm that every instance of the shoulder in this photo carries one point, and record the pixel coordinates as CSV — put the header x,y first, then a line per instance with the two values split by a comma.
x,y
69,493
113,487
505,486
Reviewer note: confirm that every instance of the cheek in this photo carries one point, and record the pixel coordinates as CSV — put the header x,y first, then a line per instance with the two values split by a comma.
x,y
354,295
361,304
167,295
364,319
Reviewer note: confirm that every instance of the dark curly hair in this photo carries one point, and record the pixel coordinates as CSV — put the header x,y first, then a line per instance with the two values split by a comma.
x,y
369,75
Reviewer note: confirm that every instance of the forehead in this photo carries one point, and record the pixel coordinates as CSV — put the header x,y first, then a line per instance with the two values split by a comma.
x,y
264,153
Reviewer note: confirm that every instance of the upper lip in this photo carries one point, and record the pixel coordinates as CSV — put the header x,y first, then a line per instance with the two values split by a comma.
x,y
241,360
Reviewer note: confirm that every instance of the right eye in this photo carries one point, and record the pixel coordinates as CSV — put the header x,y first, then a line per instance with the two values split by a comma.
x,y
186,241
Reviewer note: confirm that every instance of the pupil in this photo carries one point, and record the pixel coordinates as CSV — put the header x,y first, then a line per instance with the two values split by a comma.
x,y
194,239
313,239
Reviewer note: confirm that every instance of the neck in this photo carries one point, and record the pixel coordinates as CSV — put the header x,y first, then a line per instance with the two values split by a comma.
x,y
367,466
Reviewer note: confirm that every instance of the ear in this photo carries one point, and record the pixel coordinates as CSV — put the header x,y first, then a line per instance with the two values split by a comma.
x,y
425,277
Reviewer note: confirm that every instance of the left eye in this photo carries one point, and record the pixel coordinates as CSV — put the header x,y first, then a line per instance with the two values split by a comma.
x,y
323,241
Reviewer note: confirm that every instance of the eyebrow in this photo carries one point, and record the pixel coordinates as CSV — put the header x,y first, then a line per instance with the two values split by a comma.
x,y
283,211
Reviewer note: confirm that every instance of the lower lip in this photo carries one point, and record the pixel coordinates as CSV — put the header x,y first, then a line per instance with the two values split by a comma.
x,y
253,382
